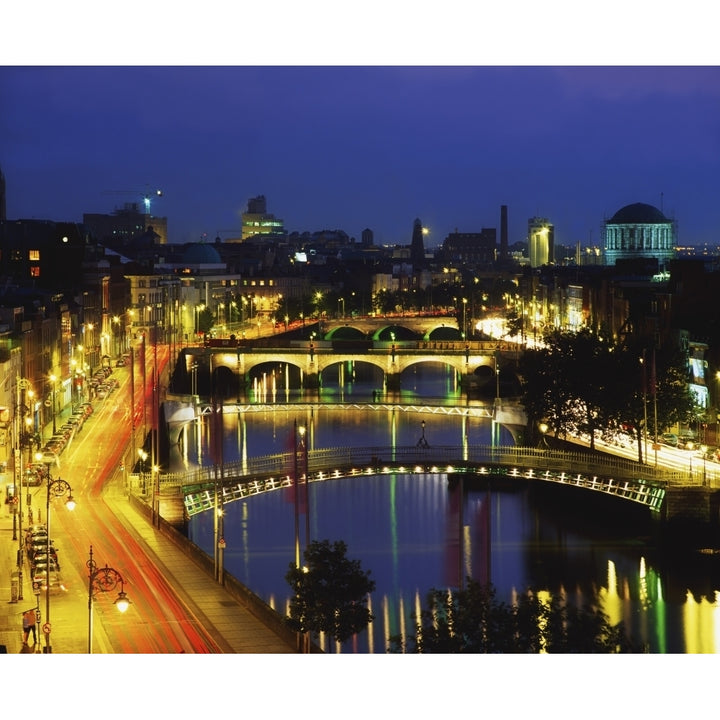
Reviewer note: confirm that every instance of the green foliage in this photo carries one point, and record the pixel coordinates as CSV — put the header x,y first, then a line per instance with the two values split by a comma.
x,y
578,383
472,620
205,320
329,593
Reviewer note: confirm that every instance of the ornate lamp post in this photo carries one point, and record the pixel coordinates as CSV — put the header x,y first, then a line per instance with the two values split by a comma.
x,y
103,580
53,381
55,488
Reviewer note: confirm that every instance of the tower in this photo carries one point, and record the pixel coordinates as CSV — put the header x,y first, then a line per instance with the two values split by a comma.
x,y
503,232
417,246
541,241
3,207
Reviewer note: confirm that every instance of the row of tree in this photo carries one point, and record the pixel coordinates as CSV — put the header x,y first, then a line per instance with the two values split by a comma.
x,y
578,383
330,594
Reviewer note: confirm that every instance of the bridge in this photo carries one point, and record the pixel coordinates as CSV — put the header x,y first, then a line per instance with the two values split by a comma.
x,y
209,487
233,363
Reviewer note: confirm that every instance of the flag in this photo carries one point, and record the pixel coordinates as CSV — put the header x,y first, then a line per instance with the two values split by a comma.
x,y
482,542
643,374
653,378
295,470
453,535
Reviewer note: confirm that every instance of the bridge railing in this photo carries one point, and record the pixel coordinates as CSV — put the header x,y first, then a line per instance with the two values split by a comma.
x,y
284,464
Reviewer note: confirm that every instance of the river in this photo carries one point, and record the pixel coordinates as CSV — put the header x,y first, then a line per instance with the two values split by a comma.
x,y
402,528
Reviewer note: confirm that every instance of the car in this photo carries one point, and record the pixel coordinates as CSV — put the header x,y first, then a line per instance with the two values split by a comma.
x,y
670,439
34,475
49,457
687,442
120,362
41,577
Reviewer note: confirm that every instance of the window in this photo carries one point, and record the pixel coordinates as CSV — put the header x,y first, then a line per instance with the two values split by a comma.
x,y
34,255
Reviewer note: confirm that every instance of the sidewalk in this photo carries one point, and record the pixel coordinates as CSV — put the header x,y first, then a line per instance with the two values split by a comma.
x,y
233,626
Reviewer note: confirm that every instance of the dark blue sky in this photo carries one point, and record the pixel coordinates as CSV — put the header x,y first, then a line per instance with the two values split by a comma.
x,y
351,147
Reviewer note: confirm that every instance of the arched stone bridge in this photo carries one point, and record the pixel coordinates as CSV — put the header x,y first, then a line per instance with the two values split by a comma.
x,y
312,357
626,480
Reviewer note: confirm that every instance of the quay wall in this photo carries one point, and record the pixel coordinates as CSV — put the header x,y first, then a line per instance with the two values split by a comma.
x,y
241,594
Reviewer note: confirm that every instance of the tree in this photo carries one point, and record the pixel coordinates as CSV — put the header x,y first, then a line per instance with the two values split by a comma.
x,y
329,592
472,620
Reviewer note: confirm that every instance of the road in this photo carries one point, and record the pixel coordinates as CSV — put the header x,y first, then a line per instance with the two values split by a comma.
x,y
158,620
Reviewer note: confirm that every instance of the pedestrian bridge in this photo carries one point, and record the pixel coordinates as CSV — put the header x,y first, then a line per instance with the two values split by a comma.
x,y
206,488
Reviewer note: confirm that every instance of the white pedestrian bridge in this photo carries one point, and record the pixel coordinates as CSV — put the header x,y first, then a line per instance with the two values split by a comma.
x,y
625,480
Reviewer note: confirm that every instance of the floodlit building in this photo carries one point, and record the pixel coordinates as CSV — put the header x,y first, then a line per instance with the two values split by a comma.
x,y
258,221
541,241
639,231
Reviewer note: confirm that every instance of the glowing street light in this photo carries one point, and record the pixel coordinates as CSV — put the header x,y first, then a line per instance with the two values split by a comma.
x,y
103,580
55,488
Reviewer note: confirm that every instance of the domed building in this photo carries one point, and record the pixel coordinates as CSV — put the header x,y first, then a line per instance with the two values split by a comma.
x,y
639,231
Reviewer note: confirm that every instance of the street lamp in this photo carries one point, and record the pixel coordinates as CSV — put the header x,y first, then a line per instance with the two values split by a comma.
x,y
103,580
422,442
143,458
55,488
464,300
53,380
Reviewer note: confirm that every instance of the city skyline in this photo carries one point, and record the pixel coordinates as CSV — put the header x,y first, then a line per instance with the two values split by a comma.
x,y
349,148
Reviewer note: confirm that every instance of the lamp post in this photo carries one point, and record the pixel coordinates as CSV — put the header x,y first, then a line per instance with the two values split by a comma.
x,y
55,488
143,458
464,328
53,380
103,580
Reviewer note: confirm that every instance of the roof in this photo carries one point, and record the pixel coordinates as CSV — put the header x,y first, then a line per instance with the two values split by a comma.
x,y
201,254
638,213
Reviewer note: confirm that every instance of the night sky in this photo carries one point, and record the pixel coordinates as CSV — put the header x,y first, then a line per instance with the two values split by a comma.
x,y
358,145
372,115
355,147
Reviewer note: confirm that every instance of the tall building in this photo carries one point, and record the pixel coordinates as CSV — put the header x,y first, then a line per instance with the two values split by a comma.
x,y
476,249
541,241
503,233
367,238
258,221
124,225
639,231
417,245
3,206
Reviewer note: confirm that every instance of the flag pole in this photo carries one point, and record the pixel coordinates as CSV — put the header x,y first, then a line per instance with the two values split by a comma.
x,y
296,495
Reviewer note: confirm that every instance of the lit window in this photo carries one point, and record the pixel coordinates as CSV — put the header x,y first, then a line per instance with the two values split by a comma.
x,y
34,271
34,255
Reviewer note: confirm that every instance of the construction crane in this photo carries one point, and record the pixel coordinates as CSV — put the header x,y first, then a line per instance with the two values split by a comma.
x,y
146,195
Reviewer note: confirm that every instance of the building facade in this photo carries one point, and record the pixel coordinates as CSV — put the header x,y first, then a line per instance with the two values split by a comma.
x,y
639,231
258,221
541,242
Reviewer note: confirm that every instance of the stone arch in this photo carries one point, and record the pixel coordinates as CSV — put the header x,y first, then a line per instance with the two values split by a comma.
x,y
443,332
397,332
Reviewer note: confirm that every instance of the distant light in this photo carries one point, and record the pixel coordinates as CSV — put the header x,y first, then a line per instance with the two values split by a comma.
x,y
65,238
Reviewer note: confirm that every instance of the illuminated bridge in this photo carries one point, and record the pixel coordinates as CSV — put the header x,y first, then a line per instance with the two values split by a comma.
x,y
205,488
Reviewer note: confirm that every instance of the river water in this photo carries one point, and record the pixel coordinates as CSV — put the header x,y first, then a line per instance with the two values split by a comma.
x,y
404,528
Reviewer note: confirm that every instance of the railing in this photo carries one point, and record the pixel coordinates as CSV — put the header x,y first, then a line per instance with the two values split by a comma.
x,y
615,476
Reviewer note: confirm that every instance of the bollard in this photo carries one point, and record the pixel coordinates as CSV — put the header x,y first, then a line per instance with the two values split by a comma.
x,y
14,586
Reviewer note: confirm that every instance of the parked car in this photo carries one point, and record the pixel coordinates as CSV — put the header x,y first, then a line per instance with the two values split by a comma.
x,y
687,442
120,362
670,439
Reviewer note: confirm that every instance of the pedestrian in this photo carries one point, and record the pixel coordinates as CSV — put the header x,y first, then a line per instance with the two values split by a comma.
x,y
29,626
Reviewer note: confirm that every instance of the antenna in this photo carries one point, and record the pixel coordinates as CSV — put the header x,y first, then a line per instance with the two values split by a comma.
x,y
146,195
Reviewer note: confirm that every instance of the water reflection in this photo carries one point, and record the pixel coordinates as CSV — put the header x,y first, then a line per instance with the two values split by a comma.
x,y
411,532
